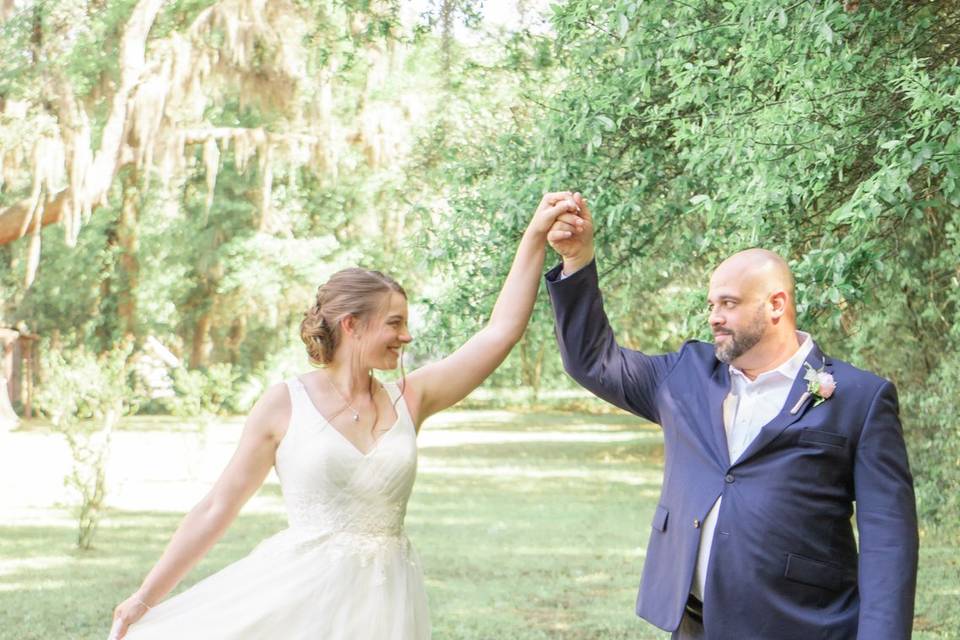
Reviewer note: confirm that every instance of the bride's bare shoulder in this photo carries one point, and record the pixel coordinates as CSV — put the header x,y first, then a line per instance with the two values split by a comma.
x,y
271,414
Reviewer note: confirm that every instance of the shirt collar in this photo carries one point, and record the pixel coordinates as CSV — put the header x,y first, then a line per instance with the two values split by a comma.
x,y
788,369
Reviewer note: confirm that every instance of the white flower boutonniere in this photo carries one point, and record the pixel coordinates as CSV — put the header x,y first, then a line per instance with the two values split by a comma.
x,y
820,385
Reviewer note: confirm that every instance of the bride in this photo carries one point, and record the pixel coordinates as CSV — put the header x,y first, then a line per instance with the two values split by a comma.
x,y
344,447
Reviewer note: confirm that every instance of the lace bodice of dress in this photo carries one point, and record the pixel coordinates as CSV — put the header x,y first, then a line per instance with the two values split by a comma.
x,y
330,486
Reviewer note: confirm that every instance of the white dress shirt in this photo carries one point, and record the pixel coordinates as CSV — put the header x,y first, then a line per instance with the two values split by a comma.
x,y
749,406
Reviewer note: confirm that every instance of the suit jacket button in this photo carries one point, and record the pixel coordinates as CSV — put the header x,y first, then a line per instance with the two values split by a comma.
x,y
696,523
729,478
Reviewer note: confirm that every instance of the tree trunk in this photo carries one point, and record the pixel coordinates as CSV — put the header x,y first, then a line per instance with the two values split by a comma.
x,y
524,352
531,366
106,331
13,218
238,333
200,346
447,9
128,238
538,370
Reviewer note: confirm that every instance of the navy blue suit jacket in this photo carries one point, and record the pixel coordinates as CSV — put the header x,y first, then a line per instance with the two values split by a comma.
x,y
784,562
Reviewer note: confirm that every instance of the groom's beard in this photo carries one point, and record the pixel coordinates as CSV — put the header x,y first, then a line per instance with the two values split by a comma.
x,y
740,341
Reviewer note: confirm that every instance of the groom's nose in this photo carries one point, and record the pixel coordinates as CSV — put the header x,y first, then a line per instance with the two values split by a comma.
x,y
716,319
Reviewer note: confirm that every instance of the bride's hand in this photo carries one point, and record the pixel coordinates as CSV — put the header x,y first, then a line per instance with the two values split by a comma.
x,y
558,211
126,613
575,248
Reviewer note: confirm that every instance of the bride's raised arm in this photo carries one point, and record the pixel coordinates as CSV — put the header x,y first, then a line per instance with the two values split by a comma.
x,y
441,384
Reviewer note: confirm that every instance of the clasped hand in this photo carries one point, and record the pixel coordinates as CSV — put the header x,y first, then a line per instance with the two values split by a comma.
x,y
565,219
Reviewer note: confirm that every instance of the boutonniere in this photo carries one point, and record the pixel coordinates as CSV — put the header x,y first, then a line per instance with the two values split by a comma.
x,y
820,385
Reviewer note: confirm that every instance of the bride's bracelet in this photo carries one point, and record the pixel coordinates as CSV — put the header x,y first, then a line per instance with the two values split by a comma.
x,y
142,602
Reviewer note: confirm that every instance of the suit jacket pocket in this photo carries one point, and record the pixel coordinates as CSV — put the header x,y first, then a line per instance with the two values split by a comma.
x,y
818,436
660,518
817,573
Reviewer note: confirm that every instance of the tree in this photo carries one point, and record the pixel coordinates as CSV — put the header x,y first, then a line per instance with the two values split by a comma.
x,y
85,398
696,130
260,149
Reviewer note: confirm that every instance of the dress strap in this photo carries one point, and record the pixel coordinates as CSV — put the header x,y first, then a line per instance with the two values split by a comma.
x,y
298,396
400,406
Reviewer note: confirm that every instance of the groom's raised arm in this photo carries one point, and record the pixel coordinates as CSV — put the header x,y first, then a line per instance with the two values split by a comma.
x,y
623,377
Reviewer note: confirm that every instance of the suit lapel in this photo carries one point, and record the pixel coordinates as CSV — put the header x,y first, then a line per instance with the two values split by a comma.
x,y
717,392
785,418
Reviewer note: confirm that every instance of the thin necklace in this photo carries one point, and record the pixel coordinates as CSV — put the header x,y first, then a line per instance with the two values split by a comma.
x,y
356,414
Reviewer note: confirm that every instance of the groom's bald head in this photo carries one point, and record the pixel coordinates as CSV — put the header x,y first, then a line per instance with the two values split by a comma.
x,y
762,273
752,308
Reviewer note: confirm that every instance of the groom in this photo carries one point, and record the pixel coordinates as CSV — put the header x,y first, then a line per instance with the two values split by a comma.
x,y
769,444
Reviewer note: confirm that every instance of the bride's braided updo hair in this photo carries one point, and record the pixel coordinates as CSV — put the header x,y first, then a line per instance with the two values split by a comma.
x,y
349,292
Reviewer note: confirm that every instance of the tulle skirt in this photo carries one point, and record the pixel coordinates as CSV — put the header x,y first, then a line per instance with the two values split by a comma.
x,y
300,584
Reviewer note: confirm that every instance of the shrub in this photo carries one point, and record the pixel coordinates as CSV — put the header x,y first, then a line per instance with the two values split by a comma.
x,y
84,396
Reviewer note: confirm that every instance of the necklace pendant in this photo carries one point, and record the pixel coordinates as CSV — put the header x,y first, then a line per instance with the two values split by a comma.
x,y
356,417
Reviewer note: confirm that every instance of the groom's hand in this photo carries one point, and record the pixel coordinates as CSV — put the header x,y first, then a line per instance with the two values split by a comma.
x,y
576,249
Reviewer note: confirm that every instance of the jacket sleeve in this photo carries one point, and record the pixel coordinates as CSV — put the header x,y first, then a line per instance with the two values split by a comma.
x,y
887,523
623,377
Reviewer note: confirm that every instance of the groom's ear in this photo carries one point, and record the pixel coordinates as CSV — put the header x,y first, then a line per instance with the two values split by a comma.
x,y
778,305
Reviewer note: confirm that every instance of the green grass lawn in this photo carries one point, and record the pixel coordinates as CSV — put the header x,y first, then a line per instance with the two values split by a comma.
x,y
536,529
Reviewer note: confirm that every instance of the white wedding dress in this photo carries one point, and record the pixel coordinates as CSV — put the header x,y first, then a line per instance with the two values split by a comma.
x,y
343,570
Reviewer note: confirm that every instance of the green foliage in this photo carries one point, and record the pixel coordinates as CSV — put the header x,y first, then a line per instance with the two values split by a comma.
x,y
204,392
64,39
694,130
935,435
92,58
217,283
697,130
